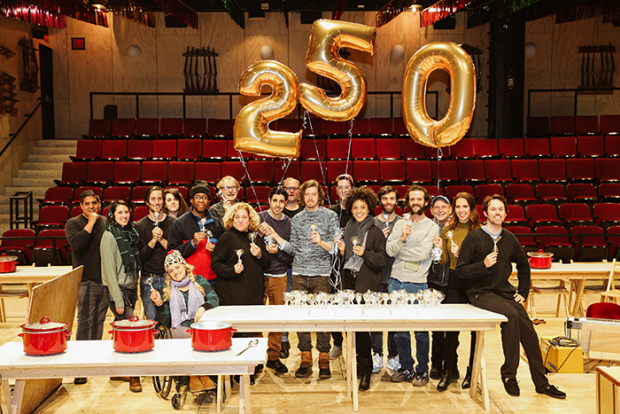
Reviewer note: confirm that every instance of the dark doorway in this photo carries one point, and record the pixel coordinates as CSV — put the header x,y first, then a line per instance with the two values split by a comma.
x,y
47,92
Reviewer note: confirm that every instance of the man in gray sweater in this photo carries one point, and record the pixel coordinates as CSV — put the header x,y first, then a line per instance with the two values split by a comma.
x,y
312,244
410,244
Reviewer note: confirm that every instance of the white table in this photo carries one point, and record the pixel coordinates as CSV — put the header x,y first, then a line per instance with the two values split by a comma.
x,y
354,319
98,359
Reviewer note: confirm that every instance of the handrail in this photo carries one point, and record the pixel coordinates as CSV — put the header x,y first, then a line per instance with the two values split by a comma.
x,y
30,115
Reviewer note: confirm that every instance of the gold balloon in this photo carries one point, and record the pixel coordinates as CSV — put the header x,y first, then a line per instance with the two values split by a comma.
x,y
251,132
327,37
449,130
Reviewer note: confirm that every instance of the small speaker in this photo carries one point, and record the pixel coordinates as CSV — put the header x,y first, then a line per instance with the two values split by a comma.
x,y
449,23
172,23
110,112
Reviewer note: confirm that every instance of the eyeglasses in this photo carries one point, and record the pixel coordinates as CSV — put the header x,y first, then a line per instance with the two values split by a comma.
x,y
291,188
344,188
201,198
229,188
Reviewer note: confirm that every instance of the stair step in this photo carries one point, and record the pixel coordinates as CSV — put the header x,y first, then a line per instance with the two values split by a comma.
x,y
53,174
54,150
43,166
6,208
37,192
33,182
57,143
48,158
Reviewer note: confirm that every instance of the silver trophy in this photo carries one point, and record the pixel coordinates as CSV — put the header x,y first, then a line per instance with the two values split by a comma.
x,y
209,234
156,214
269,241
252,236
450,235
495,241
203,221
355,240
386,216
239,253
407,216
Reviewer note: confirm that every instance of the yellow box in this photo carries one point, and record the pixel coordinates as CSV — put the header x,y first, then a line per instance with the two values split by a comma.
x,y
561,359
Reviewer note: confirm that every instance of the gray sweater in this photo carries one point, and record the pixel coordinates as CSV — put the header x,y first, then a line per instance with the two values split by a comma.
x,y
112,270
413,257
311,259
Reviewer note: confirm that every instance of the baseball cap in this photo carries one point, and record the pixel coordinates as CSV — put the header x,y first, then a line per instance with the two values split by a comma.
x,y
440,197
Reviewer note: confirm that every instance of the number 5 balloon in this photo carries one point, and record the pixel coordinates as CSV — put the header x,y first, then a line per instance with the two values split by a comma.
x,y
449,130
327,37
251,131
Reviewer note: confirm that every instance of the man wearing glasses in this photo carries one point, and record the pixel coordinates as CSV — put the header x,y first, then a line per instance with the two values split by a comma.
x,y
195,233
292,206
229,189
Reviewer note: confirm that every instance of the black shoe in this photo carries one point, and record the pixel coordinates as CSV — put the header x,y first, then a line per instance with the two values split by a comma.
x,y
252,379
467,380
553,392
277,366
456,375
303,372
511,386
325,373
364,382
286,345
258,369
444,382
435,372
80,381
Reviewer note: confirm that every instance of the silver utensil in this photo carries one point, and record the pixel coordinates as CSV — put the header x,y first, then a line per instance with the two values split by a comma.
x,y
149,281
251,344
495,240
156,218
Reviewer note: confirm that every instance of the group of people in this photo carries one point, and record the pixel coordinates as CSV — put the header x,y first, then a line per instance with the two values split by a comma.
x,y
187,262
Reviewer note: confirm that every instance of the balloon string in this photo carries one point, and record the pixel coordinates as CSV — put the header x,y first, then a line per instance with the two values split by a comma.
x,y
287,163
439,157
308,121
247,174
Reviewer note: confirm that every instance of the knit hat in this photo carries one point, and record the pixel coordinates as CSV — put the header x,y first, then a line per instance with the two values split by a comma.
x,y
174,257
200,186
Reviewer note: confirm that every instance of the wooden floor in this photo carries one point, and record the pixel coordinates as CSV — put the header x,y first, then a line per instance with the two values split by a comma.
x,y
285,394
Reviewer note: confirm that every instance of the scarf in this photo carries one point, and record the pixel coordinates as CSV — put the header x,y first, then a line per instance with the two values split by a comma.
x,y
127,240
354,262
178,308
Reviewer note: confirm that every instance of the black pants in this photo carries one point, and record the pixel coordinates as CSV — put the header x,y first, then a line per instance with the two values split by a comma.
x,y
518,329
456,294
129,295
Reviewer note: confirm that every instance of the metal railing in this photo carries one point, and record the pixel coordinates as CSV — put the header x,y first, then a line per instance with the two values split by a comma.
x,y
14,135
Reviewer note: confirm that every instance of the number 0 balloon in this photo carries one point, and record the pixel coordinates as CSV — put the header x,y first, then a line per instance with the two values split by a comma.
x,y
251,131
449,130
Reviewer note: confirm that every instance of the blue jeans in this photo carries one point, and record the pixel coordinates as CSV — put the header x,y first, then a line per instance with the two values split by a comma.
x,y
403,339
145,294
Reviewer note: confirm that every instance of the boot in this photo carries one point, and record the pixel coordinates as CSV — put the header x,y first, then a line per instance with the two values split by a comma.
x,y
467,380
444,381
134,384
365,369
286,345
305,368
324,371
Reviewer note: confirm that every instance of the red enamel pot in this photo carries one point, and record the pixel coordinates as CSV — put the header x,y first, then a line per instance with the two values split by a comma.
x,y
8,264
133,335
45,337
211,335
540,259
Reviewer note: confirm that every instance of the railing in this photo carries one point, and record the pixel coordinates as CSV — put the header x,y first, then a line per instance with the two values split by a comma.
x,y
230,100
13,136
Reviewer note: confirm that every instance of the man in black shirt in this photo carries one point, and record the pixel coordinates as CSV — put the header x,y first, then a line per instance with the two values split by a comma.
x,y
154,231
292,207
84,236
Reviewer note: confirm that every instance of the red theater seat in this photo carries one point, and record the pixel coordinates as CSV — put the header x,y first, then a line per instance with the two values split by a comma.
x,y
537,147
587,125
50,251
574,214
154,173
360,129
486,148
52,217
363,149
453,190
338,149
591,146
313,149
607,170
164,150
612,146
419,172
388,148
214,150
498,171
472,172
589,248
147,128
411,150
553,194
582,193
137,194
610,124
515,216
113,150
553,170
87,150
288,125
257,195
525,171
580,170
334,129
100,173
116,193
335,168
189,150
607,214
139,150
139,213
123,128
194,128
219,128
614,242
261,172
99,129
520,194
542,215
366,172
234,169
483,190
557,242
313,170
381,127
525,237
562,125
445,171
171,128
393,172
563,147
234,155
312,127
538,126
126,173
21,247
463,150
210,172
57,195
609,192
511,147
180,173
285,169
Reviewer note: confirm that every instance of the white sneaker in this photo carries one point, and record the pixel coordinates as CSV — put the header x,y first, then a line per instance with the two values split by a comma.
x,y
393,363
377,363
335,352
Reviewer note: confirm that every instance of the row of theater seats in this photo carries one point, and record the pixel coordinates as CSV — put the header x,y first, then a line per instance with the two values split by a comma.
x,y
358,148
472,172
362,127
573,125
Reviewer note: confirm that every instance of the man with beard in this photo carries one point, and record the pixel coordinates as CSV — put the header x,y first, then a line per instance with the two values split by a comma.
x,y
275,221
154,231
388,198
84,234
485,260
312,245
438,279
345,184
292,207
410,244
189,232
229,188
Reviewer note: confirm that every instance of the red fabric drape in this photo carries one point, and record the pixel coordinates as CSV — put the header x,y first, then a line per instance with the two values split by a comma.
x,y
442,10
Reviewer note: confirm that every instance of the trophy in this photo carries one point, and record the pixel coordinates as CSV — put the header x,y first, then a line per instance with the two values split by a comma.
x,y
156,214
355,240
407,216
386,216
239,253
495,240
450,236
313,227
252,236
203,221
269,241
209,234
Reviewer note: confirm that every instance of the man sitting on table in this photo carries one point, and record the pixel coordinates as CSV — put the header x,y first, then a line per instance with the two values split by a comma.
x,y
487,273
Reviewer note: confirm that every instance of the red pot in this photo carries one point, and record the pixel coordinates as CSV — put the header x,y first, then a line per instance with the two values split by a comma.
x,y
540,259
211,335
45,337
8,264
133,335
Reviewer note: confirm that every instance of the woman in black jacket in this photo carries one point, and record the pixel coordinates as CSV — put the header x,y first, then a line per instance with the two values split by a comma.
x,y
239,260
363,248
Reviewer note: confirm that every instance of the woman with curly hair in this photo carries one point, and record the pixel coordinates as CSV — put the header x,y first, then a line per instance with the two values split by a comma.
x,y
240,258
174,204
363,248
464,220
186,298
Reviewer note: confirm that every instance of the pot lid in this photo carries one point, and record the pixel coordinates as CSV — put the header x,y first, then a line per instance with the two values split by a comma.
x,y
210,325
133,322
540,253
43,325
5,258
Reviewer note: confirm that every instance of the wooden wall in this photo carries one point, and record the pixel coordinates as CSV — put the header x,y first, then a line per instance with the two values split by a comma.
x,y
106,66
557,64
